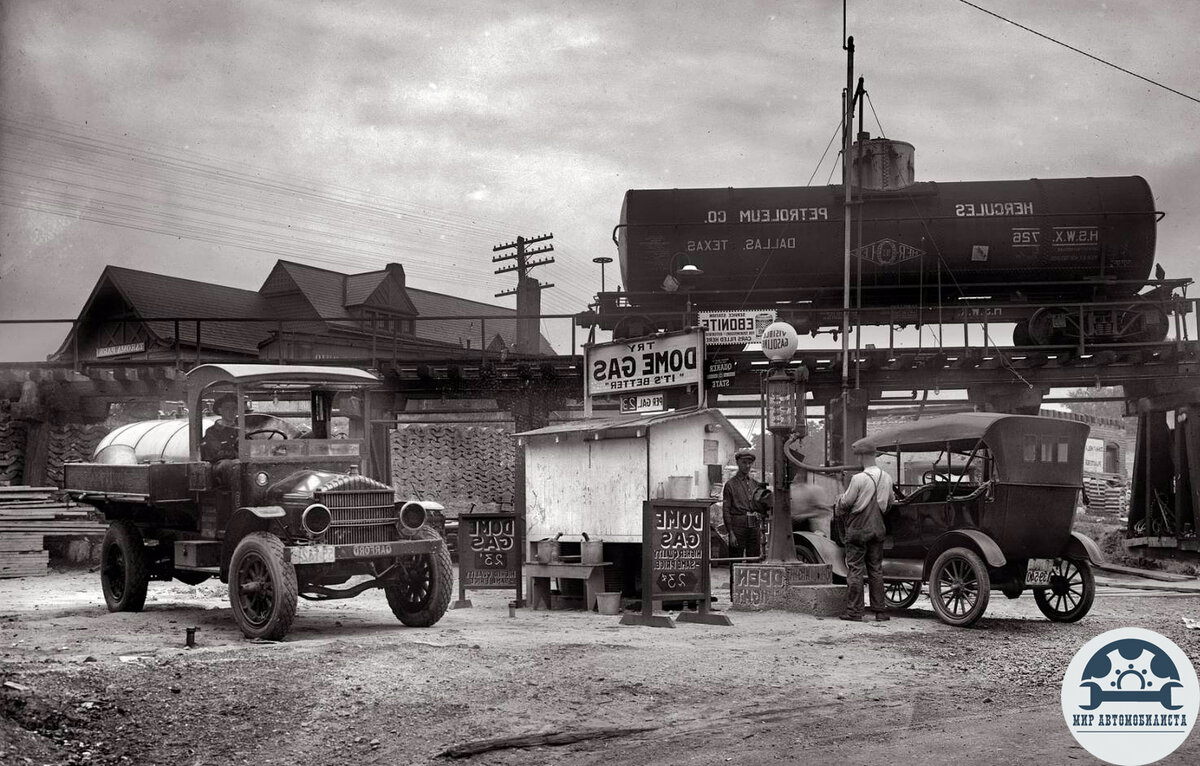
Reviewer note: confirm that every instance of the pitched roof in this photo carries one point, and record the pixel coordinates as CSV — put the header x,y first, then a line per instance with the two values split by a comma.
x,y
433,304
321,293
158,295
360,286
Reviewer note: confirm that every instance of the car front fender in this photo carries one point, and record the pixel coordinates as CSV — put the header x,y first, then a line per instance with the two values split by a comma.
x,y
827,550
970,538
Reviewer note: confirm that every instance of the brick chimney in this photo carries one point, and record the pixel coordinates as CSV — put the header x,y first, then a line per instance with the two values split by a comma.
x,y
397,272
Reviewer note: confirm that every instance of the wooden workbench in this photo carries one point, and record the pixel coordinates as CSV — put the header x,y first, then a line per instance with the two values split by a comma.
x,y
540,575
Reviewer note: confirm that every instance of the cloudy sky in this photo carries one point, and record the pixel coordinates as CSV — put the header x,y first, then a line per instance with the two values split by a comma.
x,y
208,139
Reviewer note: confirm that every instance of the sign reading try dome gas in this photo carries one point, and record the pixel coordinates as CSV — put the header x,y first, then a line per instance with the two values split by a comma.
x,y
645,364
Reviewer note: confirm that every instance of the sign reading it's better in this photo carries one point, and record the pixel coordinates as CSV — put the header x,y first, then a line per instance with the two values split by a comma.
x,y
645,364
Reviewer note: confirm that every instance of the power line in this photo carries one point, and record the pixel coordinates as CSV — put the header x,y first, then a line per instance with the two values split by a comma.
x,y
338,239
1081,52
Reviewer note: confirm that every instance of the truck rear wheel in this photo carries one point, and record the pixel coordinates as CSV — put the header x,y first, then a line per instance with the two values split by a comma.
x,y
423,593
262,587
124,569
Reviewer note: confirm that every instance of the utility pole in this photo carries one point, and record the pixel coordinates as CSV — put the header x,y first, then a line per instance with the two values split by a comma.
x,y
528,289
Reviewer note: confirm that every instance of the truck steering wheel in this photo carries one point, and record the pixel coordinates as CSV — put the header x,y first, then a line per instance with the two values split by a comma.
x,y
271,431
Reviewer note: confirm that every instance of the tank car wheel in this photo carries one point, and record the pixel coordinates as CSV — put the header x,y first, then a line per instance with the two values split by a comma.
x,y
422,595
901,594
124,568
1021,336
1042,331
188,577
959,586
634,327
1071,593
262,587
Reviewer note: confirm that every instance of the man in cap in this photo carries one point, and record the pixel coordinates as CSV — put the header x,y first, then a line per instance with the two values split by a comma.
x,y
741,509
220,443
863,504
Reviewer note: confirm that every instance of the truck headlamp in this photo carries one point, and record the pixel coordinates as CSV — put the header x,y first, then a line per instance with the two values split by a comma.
x,y
316,519
412,517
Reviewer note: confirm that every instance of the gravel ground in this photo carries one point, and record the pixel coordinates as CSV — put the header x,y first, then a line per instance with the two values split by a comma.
x,y
351,685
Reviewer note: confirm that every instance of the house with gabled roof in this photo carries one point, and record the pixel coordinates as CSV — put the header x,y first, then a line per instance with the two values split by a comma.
x,y
300,312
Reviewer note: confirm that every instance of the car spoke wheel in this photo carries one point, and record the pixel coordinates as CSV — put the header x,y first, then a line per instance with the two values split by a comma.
x,y
262,587
1071,593
421,594
124,569
901,594
959,587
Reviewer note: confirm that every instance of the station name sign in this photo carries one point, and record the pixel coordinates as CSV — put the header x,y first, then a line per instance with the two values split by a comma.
x,y
645,364
734,328
124,348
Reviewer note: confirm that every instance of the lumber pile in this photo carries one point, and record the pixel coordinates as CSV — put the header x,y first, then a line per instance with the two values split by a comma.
x,y
27,516
457,465
12,450
71,443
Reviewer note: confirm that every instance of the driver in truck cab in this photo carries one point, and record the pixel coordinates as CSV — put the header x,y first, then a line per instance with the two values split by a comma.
x,y
220,443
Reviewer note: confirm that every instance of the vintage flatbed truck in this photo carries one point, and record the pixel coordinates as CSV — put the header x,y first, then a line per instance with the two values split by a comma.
x,y
292,517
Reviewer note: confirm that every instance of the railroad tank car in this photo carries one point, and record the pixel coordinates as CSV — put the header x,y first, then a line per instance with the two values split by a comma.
x,y
1061,239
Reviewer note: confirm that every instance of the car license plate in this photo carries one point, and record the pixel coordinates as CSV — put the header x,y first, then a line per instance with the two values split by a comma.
x,y
1039,572
312,554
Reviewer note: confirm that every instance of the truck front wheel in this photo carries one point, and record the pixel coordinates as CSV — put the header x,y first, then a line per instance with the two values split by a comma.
x,y
262,587
124,569
422,595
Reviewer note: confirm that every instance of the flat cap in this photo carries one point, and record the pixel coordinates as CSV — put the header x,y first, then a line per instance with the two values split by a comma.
x,y
745,452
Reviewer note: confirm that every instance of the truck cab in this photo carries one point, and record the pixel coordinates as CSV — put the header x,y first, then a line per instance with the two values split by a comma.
x,y
287,514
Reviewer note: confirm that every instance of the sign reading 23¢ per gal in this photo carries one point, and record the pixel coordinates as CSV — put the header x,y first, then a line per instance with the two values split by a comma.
x,y
645,364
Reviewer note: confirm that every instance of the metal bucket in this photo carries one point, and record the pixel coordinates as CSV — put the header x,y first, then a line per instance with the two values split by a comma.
x,y
608,603
591,552
547,551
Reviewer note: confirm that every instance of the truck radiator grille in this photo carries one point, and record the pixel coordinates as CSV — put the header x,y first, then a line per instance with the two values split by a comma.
x,y
359,515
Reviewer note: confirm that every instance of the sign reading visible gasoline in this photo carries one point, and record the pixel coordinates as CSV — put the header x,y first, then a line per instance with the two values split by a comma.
x,y
488,553
645,364
676,540
779,342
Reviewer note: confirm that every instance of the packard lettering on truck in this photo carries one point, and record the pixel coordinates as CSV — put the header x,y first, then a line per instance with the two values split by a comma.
x,y
285,513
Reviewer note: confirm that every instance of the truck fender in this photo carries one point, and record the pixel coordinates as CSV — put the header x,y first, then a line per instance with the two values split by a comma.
x,y
255,518
970,538
428,505
827,550
1081,547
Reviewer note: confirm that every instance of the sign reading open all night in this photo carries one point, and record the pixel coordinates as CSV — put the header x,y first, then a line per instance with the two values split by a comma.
x,y
645,364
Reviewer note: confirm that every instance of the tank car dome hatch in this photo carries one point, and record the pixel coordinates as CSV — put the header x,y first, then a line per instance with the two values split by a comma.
x,y
881,164
116,454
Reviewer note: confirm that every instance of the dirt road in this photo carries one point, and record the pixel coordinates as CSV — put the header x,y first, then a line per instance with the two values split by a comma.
x,y
351,685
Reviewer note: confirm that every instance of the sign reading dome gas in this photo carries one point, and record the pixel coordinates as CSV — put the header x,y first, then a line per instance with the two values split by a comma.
x,y
779,341
1130,696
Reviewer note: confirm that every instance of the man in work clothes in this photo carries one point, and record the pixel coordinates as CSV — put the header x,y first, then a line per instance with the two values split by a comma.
x,y
863,504
741,511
